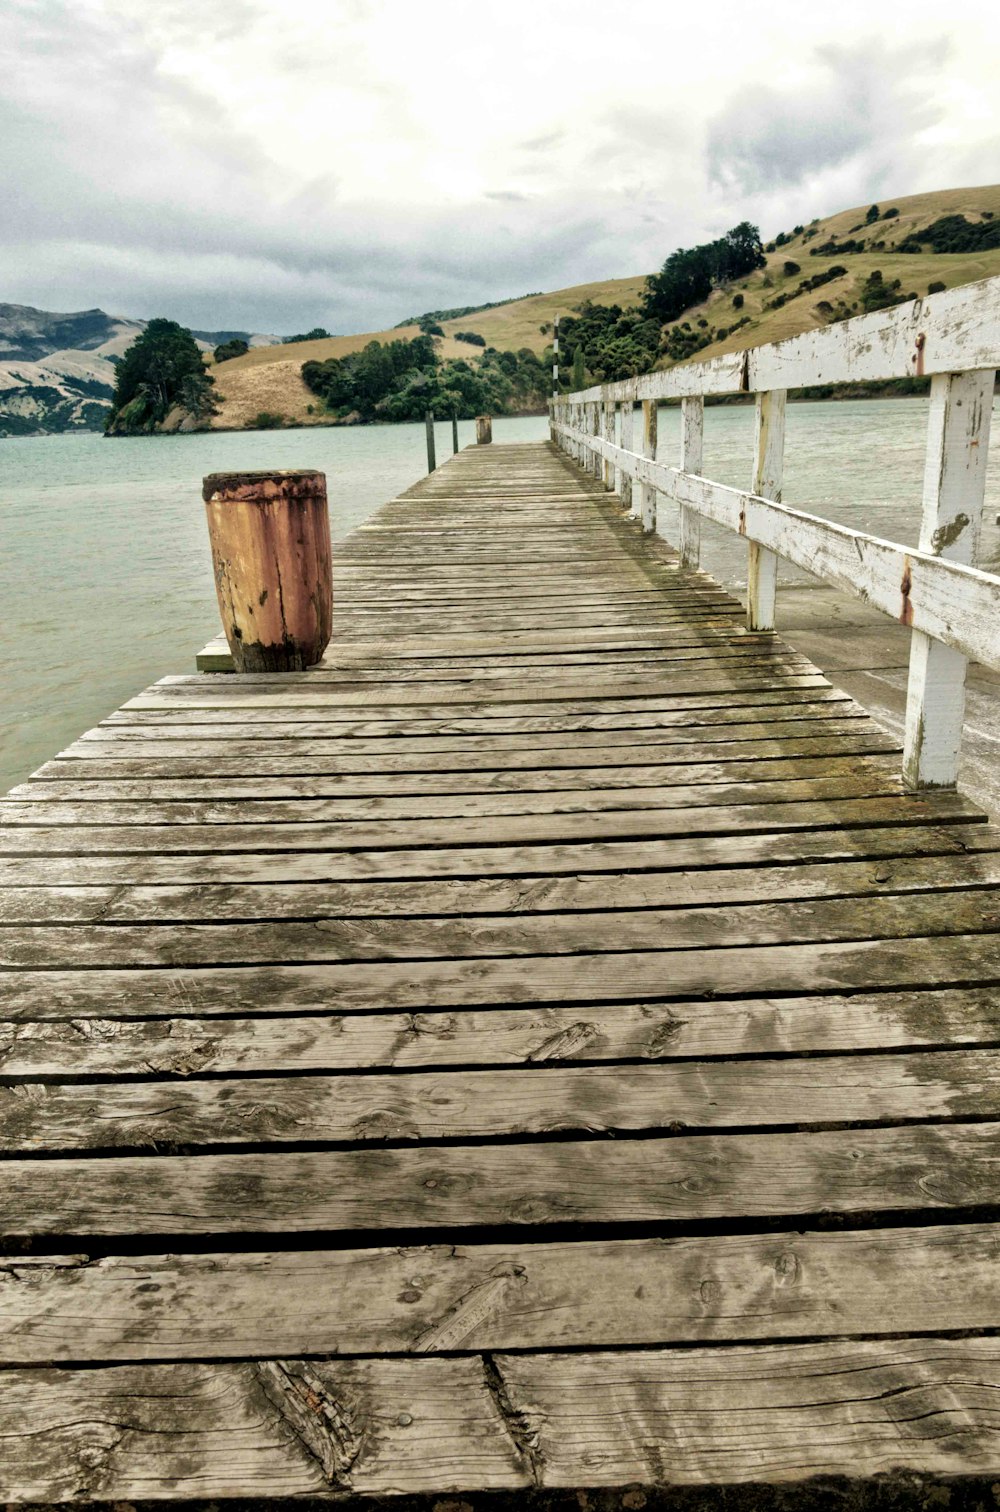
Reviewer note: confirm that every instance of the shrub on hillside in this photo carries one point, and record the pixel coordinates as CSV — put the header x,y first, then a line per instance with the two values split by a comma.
x,y
227,349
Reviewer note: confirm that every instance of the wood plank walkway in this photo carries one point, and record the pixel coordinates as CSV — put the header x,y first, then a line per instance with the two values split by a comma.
x,y
541,1046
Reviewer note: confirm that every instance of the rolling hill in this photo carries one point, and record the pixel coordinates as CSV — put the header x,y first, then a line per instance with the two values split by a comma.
x,y
269,378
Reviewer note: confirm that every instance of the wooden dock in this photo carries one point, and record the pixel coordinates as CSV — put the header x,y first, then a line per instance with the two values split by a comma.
x,y
542,1046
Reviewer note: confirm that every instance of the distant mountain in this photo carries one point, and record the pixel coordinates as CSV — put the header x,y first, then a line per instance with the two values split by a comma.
x,y
57,370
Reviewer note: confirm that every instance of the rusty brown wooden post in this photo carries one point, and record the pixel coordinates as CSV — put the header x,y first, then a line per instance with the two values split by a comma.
x,y
270,537
484,430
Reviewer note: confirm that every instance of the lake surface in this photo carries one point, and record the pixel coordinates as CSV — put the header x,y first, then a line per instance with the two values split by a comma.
x,y
105,575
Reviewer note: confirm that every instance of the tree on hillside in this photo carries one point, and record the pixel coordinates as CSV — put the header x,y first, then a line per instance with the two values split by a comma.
x,y
579,373
691,273
163,367
234,348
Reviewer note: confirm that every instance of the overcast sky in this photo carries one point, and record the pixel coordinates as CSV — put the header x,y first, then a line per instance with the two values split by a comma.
x,y
277,164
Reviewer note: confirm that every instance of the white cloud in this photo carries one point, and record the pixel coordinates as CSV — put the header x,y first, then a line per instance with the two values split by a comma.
x,y
277,165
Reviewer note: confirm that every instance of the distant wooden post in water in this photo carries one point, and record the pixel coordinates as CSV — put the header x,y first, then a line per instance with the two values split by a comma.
x,y
484,430
270,538
454,434
431,457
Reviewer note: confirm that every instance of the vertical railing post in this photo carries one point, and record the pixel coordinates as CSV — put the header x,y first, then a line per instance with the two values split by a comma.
x,y
616,470
596,461
958,439
431,459
608,433
647,493
692,439
454,435
625,482
768,464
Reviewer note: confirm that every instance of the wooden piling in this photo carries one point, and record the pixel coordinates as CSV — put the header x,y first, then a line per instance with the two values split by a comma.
x,y
454,435
484,430
431,457
270,538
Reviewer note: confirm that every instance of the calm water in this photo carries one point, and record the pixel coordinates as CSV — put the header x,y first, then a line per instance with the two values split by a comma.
x,y
105,580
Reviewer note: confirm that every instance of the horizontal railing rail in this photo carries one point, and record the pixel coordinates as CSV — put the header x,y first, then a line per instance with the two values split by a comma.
x,y
938,590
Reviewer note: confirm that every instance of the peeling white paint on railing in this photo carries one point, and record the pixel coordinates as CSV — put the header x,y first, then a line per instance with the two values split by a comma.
x,y
952,607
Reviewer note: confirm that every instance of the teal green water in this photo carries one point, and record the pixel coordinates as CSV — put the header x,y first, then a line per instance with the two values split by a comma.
x,y
105,575
105,580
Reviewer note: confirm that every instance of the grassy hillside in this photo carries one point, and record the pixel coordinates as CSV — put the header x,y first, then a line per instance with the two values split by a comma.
x,y
269,378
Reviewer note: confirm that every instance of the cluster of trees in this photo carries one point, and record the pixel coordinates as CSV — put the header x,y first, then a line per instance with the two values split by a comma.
x,y
473,338
875,294
162,368
806,285
690,274
235,347
954,233
684,340
460,310
402,380
615,343
318,333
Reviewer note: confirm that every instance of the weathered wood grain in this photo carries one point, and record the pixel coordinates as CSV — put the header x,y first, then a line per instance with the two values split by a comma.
x,y
428,1298
456,936
142,780
784,1414
709,1177
360,986
467,1104
111,798
602,815
927,835
539,1034
271,1428
232,903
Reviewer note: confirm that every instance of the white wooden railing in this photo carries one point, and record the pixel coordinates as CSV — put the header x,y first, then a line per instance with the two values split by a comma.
x,y
951,606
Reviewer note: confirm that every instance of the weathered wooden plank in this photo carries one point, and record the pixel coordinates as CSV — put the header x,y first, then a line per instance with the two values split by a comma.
x,y
231,903
474,778
157,776
925,836
470,1104
698,1417
701,694
303,797
271,1428
786,970
456,936
591,819
426,1299
929,1168
693,709
773,675
565,1033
